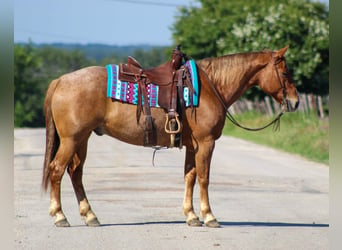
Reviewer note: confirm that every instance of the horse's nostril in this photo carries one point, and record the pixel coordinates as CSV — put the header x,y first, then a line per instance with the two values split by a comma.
x,y
296,105
292,105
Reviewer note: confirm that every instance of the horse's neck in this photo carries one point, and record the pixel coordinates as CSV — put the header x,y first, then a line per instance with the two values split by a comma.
x,y
233,75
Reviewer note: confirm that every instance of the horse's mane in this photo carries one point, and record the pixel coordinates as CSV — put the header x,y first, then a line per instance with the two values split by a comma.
x,y
232,59
218,68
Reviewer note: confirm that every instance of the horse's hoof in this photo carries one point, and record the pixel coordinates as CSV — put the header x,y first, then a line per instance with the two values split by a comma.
x,y
213,224
94,222
194,222
62,223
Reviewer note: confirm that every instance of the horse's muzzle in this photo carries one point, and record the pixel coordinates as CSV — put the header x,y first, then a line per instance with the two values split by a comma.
x,y
291,105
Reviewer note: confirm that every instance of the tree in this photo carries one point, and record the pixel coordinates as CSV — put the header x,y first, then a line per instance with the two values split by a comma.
x,y
224,27
27,92
34,69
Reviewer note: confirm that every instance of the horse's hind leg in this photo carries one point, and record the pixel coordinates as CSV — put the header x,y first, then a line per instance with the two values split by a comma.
x,y
75,170
57,168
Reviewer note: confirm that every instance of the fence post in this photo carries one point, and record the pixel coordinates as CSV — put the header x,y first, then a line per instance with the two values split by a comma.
x,y
268,106
320,107
231,109
310,102
276,105
237,108
249,105
305,106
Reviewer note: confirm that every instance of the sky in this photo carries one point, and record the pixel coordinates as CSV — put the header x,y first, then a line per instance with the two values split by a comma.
x,y
112,22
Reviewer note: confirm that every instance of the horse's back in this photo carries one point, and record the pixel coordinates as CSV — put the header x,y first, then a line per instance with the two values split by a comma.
x,y
85,79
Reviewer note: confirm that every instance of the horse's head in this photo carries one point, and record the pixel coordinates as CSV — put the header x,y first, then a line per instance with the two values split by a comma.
x,y
276,80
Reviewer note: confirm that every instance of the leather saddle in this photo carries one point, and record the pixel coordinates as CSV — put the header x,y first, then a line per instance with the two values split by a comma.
x,y
171,77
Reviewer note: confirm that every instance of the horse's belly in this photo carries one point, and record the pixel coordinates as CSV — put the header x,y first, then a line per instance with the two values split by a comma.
x,y
121,123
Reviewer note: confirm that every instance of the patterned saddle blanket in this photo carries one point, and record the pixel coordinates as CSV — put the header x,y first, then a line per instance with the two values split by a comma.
x,y
128,91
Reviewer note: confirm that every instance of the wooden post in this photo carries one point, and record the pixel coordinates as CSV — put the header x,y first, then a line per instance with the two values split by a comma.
x,y
263,107
241,106
232,109
268,106
301,105
310,103
249,105
257,105
314,105
320,107
237,108
305,105
276,105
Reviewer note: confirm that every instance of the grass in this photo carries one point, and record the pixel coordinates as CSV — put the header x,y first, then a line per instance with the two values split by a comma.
x,y
302,134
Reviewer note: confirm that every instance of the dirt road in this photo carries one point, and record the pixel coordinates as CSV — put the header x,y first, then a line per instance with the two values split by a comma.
x,y
263,198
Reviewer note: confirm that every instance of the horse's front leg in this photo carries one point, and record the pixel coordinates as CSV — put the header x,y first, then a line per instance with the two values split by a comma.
x,y
203,159
190,179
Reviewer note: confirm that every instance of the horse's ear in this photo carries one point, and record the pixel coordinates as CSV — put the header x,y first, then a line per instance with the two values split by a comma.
x,y
281,52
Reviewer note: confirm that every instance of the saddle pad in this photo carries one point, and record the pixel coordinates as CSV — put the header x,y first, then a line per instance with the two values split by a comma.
x,y
128,91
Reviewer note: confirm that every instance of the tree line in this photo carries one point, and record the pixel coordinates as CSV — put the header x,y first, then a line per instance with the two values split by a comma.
x,y
216,28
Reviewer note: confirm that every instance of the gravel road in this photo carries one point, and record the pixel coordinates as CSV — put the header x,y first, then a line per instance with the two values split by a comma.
x,y
263,198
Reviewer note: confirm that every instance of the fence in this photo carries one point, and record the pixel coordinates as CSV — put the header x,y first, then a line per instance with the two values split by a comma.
x,y
307,103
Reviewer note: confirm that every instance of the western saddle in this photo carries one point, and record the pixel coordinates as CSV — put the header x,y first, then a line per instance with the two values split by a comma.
x,y
170,77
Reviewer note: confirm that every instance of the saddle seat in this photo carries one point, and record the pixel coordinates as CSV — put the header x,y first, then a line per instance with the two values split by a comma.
x,y
160,75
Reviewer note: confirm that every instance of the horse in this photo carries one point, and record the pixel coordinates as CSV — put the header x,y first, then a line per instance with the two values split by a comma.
x,y
76,105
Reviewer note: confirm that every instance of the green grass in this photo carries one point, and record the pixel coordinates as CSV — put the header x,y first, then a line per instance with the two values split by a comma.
x,y
302,134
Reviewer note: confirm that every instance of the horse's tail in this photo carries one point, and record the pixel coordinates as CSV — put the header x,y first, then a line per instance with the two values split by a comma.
x,y
52,138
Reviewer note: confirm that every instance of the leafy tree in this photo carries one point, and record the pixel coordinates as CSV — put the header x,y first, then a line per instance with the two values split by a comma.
x,y
27,92
56,61
34,69
224,27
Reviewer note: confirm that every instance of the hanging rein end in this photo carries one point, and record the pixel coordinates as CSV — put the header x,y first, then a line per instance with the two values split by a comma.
x,y
276,124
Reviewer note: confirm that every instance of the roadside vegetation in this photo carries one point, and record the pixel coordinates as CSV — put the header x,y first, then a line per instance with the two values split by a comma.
x,y
302,134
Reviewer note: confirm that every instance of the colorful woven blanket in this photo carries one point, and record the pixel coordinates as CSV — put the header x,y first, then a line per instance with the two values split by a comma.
x,y
128,91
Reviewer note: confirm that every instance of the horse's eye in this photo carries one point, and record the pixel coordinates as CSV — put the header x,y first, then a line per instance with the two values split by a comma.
x,y
285,74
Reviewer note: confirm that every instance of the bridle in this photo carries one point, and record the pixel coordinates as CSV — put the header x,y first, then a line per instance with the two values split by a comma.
x,y
284,103
282,84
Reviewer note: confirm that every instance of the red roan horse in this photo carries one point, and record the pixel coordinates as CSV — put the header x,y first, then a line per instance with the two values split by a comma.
x,y
76,104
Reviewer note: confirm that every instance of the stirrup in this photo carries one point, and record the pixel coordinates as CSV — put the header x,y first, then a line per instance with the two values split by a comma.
x,y
168,123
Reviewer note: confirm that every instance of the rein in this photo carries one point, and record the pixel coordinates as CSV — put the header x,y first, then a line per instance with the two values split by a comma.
x,y
275,121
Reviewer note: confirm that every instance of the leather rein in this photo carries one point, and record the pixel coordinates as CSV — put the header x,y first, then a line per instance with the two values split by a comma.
x,y
275,121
